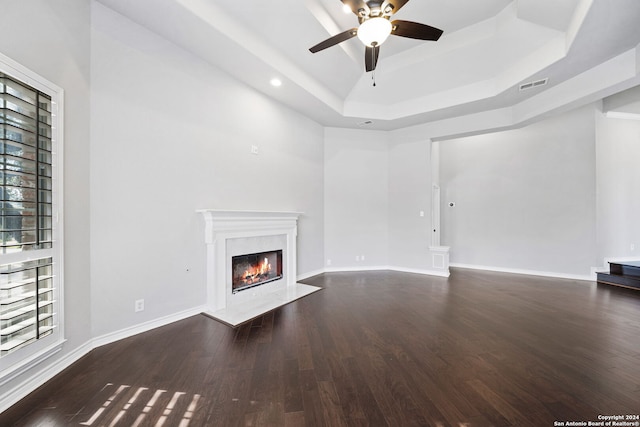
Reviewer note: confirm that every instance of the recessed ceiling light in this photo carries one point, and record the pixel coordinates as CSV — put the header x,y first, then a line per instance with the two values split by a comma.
x,y
346,8
276,82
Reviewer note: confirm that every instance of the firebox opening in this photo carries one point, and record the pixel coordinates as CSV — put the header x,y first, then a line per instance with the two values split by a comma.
x,y
255,269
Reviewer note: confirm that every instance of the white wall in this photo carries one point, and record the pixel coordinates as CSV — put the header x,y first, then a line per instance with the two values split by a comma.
x,y
410,193
169,135
618,181
52,39
525,198
356,198
376,184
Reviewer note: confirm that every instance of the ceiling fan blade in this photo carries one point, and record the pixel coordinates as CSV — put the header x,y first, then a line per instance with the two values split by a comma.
x,y
356,5
397,5
415,30
332,41
371,57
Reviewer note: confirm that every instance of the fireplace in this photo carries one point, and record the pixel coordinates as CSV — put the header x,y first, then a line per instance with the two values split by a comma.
x,y
238,242
255,269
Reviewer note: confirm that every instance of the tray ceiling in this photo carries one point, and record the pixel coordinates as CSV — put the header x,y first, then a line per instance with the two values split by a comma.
x,y
489,48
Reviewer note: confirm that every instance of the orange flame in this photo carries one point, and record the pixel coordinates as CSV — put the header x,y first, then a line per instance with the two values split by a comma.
x,y
254,274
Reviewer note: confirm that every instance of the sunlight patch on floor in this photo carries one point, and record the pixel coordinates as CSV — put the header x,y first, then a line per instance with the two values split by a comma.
x,y
145,405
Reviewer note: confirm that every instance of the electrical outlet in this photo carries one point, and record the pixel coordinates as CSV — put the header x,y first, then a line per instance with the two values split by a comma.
x,y
357,257
633,247
361,257
254,149
139,305
328,262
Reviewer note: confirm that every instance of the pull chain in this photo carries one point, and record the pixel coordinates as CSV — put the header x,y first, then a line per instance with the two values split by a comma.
x,y
373,61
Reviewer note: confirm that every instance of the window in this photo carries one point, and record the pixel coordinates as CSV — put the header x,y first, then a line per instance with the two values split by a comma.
x,y
30,230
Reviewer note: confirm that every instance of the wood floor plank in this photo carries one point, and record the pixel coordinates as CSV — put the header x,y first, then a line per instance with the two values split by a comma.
x,y
345,390
477,349
372,411
331,406
304,353
313,411
292,391
294,419
500,404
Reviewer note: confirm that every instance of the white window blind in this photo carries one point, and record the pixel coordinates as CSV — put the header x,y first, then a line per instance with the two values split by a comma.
x,y
25,167
30,248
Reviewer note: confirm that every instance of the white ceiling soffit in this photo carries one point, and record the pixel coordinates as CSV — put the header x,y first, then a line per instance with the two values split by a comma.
x,y
257,46
627,102
471,64
488,49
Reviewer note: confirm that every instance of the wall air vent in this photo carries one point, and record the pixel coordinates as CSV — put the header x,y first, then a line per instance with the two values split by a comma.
x,y
536,83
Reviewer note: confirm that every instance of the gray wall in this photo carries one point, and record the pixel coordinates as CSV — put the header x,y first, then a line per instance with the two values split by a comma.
x,y
376,184
356,198
53,41
409,193
618,156
525,198
170,135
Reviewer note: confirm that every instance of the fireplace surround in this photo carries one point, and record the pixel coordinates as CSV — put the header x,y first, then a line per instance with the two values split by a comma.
x,y
232,235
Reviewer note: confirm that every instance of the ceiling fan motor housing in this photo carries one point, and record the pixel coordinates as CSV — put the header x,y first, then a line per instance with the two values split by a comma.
x,y
375,10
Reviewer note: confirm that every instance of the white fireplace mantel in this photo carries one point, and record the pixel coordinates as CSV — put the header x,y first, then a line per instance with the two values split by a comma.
x,y
257,229
221,221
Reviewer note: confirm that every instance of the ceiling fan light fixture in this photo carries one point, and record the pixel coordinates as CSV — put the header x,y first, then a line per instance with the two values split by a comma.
x,y
373,32
376,26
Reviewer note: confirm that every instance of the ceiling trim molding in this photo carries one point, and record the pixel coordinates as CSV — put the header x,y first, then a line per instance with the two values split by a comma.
x,y
257,47
617,74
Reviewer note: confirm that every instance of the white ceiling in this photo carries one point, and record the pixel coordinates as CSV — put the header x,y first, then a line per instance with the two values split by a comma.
x,y
489,48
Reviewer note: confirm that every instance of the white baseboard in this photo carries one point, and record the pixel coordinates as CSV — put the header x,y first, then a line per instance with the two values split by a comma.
x,y
38,378
355,268
144,327
524,272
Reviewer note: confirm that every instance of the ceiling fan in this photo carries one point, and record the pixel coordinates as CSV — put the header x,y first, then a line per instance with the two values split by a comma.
x,y
375,27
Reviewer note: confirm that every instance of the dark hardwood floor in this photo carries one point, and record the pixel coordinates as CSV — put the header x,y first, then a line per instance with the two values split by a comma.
x,y
371,349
